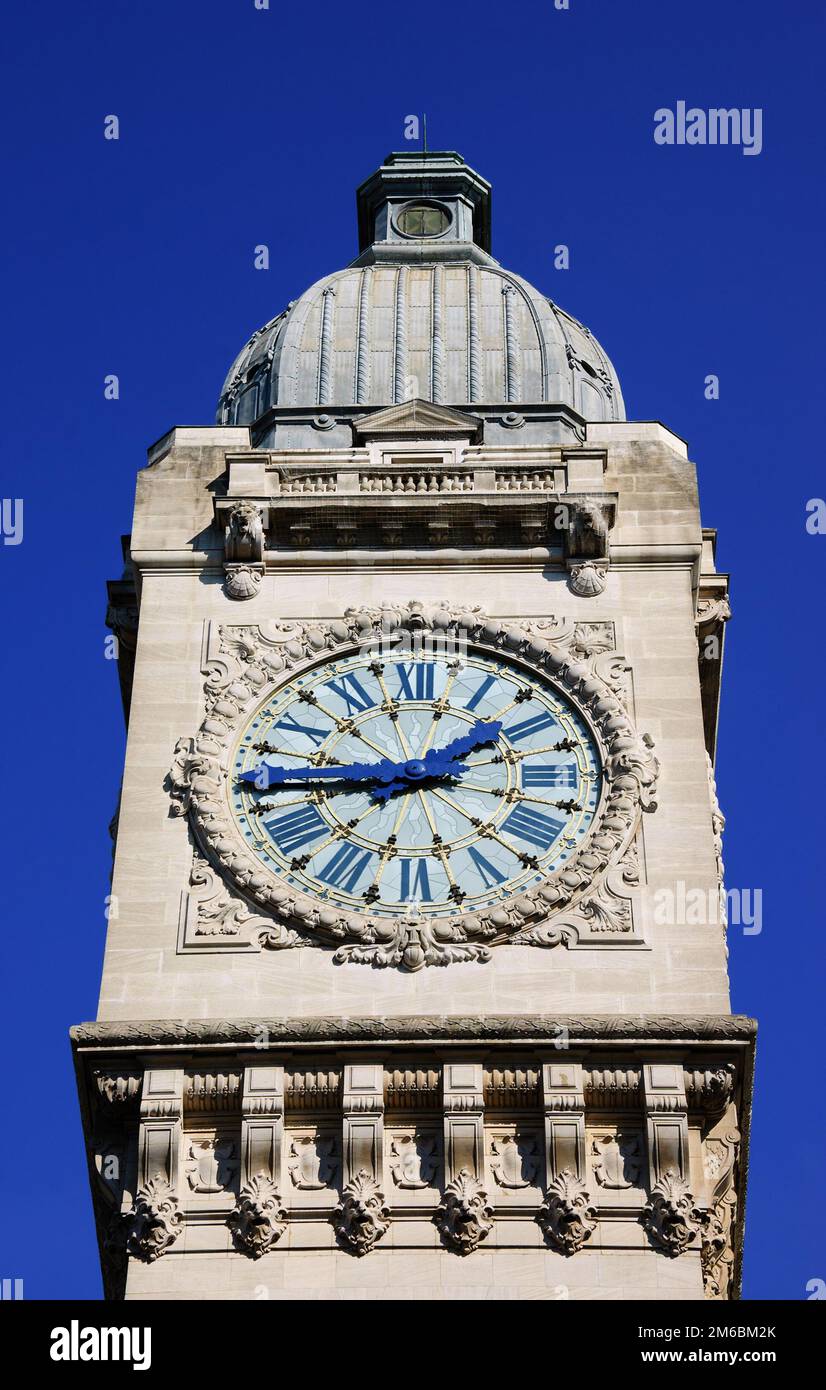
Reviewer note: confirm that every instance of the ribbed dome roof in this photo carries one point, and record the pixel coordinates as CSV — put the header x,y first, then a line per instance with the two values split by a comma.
x,y
433,317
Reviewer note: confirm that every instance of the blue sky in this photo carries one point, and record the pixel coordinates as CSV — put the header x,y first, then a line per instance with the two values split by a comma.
x,y
135,257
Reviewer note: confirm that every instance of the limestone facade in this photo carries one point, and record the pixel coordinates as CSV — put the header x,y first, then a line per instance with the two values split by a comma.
x,y
546,1101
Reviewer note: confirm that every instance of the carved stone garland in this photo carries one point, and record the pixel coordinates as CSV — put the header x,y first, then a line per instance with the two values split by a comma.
x,y
587,898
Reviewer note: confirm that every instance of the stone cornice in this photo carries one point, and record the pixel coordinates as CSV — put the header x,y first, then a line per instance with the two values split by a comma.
x,y
667,1029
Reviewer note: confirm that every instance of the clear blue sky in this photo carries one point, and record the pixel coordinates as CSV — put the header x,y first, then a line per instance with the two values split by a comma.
x,y
241,126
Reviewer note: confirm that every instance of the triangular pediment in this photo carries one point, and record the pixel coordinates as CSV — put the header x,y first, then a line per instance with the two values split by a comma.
x,y
417,419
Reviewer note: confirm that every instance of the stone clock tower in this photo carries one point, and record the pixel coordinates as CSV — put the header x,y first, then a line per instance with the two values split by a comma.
x,y
420,653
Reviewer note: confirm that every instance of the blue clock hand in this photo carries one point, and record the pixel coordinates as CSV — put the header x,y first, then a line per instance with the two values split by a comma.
x,y
265,775
436,762
441,762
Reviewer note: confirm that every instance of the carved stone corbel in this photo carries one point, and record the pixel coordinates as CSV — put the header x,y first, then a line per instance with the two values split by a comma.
x,y
586,542
586,537
721,1147
257,1220
244,550
670,1216
156,1221
464,1108
566,1216
464,1217
361,1217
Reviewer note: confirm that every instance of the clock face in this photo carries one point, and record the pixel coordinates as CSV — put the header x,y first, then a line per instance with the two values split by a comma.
x,y
415,783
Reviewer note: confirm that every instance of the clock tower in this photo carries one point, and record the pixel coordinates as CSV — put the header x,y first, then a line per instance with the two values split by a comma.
x,y
415,981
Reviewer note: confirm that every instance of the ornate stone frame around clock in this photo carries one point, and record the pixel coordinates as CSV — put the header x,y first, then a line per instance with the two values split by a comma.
x,y
588,903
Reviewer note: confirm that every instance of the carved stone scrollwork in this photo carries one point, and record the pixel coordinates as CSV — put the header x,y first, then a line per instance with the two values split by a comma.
x,y
713,610
156,1220
717,1250
213,915
710,1088
566,1215
361,1217
587,900
464,1217
670,1216
258,1219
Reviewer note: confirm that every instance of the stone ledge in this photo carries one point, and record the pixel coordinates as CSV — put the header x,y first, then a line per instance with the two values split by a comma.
x,y
579,1028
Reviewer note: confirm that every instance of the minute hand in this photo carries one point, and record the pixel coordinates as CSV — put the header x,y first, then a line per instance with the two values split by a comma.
x,y
439,759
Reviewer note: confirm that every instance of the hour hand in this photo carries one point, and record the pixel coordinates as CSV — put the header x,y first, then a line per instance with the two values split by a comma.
x,y
265,775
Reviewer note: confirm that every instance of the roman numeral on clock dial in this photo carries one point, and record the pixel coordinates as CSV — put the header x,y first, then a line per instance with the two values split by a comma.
x,y
415,882
292,726
528,727
550,775
534,826
417,681
488,872
297,828
350,689
346,867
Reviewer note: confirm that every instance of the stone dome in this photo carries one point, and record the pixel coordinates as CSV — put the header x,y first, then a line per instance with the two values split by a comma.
x,y
425,311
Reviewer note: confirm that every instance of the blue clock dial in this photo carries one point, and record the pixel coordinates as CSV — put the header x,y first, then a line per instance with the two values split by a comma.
x,y
426,784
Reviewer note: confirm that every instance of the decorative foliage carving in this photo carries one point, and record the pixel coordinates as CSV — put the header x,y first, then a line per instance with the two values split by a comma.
x,y
361,1218
464,1217
257,1221
588,579
670,1216
246,662
214,915
557,1029
713,610
710,1088
566,1215
717,1249
156,1220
